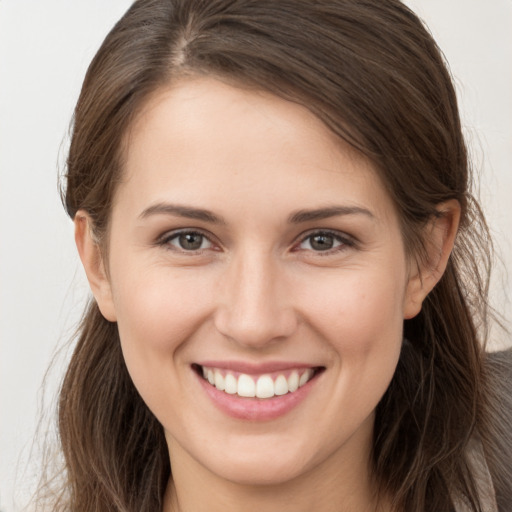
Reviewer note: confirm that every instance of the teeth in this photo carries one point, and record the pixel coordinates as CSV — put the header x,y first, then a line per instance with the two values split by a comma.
x,y
293,381
265,387
281,385
230,384
305,377
262,387
219,380
246,386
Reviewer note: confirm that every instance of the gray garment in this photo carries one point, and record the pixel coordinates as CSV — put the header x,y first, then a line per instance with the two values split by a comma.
x,y
491,461
483,478
499,456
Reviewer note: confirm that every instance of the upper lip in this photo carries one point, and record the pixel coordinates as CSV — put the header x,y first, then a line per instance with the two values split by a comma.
x,y
256,368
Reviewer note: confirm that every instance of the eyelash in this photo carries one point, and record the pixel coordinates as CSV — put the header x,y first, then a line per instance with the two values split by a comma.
x,y
165,240
345,241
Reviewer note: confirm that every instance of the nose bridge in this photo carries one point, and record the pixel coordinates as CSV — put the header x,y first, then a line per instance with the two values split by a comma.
x,y
255,308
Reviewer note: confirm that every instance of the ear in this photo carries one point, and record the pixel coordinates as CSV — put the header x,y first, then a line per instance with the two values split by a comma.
x,y
440,235
92,261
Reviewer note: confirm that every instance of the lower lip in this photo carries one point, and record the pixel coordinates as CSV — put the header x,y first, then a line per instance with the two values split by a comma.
x,y
256,409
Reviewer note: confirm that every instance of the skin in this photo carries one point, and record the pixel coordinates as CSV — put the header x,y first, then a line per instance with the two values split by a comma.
x,y
258,291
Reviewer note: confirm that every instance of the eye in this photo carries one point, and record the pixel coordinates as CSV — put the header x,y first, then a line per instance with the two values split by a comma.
x,y
324,241
188,241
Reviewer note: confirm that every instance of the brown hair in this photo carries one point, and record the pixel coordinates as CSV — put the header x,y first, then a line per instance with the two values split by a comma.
x,y
373,74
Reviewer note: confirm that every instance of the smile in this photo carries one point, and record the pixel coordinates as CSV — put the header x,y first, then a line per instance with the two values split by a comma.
x,y
256,392
257,386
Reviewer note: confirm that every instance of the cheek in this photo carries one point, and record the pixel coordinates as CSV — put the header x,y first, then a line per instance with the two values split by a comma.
x,y
362,320
157,312
362,311
158,309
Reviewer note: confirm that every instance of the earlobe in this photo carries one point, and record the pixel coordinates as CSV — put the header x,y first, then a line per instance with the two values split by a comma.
x,y
440,235
92,261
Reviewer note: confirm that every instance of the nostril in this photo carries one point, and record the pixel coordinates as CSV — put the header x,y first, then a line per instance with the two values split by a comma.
x,y
255,321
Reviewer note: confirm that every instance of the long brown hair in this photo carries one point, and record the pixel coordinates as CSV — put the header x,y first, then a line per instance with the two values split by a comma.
x,y
373,74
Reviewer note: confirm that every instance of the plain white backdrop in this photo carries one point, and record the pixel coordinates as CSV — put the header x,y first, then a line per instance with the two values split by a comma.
x,y
45,47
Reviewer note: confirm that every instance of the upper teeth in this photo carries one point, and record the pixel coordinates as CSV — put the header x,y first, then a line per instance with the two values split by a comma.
x,y
264,386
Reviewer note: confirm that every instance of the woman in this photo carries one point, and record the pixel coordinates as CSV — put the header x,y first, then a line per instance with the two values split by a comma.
x,y
272,206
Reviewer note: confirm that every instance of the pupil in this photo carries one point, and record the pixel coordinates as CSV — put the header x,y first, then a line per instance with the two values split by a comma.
x,y
191,241
322,242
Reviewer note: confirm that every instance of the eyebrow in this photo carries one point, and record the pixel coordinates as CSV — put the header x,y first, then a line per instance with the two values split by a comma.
x,y
182,211
325,213
297,217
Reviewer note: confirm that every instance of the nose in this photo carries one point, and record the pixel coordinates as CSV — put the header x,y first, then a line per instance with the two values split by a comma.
x,y
255,305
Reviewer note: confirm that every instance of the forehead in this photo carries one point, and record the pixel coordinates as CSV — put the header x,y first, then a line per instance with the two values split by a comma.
x,y
205,139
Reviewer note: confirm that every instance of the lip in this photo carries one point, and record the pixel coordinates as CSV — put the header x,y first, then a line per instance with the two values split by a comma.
x,y
256,409
256,368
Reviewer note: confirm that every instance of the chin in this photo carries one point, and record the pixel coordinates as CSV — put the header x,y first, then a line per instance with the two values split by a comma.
x,y
259,471
253,463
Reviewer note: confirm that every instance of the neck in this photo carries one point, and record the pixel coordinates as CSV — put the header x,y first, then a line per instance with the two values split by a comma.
x,y
339,484
271,499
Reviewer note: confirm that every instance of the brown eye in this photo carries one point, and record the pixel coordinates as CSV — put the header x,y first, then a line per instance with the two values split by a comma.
x,y
324,241
189,241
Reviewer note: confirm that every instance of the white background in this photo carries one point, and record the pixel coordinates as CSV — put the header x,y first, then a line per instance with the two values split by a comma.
x,y
45,47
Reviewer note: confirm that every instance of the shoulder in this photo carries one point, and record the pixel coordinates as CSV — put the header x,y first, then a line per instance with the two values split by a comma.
x,y
502,360
498,425
498,373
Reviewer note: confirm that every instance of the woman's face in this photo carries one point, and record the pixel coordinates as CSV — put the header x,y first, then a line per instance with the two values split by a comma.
x,y
250,245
